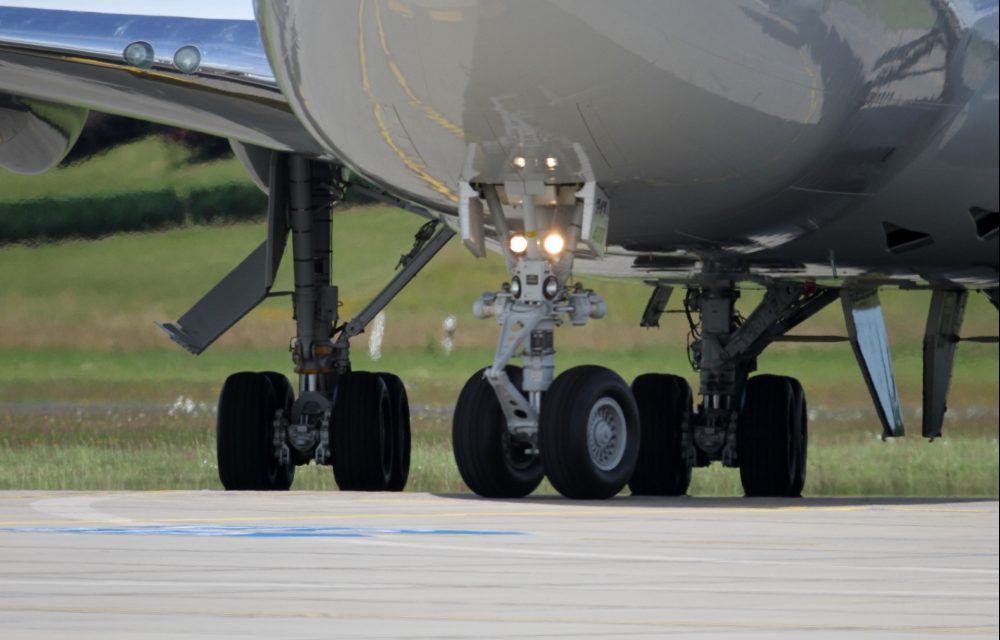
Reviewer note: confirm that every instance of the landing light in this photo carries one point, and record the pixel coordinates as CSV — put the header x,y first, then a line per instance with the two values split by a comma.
x,y
520,162
187,58
139,54
551,163
518,244
554,244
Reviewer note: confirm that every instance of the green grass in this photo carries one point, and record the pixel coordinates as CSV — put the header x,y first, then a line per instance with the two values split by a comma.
x,y
152,162
76,330
136,448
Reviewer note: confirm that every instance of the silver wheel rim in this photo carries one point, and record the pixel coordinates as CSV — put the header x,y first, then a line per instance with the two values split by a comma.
x,y
606,434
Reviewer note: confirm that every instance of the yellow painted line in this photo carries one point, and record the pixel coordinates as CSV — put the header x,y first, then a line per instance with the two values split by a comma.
x,y
940,509
813,93
441,15
176,78
399,8
149,73
415,166
383,615
432,114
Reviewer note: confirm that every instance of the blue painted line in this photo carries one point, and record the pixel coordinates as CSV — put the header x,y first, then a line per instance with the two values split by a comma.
x,y
255,531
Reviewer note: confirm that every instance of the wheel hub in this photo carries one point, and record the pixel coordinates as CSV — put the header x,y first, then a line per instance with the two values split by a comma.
x,y
606,434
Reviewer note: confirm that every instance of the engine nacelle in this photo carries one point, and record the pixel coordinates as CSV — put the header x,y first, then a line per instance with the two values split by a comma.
x,y
35,135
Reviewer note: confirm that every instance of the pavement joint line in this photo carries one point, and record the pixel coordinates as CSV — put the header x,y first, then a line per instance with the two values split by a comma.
x,y
299,586
579,555
260,531
763,544
430,617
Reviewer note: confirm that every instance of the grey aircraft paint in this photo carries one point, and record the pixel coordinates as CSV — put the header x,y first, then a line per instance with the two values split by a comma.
x,y
797,137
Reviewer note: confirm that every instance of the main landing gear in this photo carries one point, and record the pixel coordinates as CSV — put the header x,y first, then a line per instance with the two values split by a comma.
x,y
757,424
358,422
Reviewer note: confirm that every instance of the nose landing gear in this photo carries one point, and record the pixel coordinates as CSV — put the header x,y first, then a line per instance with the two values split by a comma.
x,y
511,425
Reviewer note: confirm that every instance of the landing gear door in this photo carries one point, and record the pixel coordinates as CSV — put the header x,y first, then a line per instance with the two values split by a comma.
x,y
596,210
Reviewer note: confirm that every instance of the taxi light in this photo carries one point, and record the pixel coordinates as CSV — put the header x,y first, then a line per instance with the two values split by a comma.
x,y
554,244
518,244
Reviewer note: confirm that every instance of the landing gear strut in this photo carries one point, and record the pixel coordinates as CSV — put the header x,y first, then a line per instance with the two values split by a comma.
x,y
359,422
758,424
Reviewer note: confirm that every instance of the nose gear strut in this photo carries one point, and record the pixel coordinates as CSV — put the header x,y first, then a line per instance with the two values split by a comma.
x,y
528,309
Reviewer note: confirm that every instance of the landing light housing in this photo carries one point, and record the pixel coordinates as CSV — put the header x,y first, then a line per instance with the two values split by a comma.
x,y
554,244
518,244
188,59
550,288
515,287
139,54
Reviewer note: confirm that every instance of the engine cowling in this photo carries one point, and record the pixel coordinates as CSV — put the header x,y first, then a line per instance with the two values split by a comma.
x,y
35,135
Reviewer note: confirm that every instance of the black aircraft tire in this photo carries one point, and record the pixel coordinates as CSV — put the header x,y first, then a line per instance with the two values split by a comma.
x,y
490,462
245,434
662,400
399,431
771,437
800,439
589,433
284,397
360,433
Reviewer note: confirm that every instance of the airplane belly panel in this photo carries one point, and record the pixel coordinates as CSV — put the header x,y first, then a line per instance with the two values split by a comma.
x,y
711,125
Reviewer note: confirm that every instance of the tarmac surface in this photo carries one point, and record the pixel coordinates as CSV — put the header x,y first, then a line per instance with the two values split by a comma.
x,y
350,565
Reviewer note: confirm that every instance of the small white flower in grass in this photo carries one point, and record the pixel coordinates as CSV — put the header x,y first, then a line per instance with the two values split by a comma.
x,y
182,405
448,340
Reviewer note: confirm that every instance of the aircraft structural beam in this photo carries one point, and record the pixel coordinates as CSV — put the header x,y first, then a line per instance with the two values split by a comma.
x,y
425,248
315,300
725,352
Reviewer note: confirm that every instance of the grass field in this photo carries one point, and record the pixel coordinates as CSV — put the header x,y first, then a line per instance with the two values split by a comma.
x,y
150,163
94,396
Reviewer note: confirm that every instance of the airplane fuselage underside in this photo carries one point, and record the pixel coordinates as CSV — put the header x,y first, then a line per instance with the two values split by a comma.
x,y
825,139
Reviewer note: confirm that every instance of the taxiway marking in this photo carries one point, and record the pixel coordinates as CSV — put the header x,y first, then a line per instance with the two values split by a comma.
x,y
210,530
